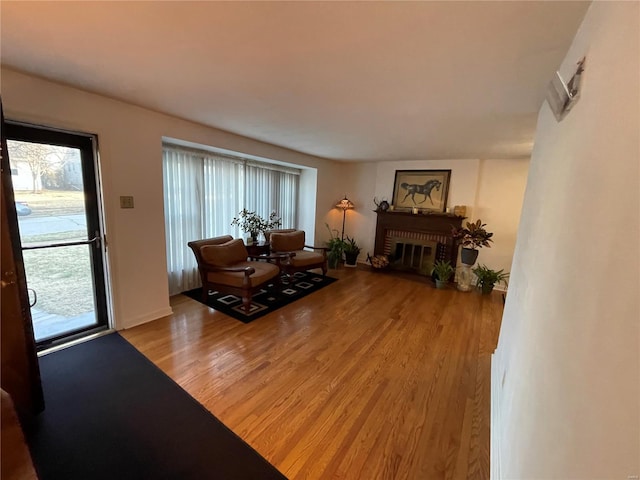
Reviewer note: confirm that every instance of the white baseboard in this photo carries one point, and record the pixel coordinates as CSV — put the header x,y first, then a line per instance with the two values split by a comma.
x,y
147,317
496,422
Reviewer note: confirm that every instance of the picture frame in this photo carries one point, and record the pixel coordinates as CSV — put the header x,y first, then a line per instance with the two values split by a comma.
x,y
423,189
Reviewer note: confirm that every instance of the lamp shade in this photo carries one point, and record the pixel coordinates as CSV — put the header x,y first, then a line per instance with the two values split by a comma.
x,y
345,204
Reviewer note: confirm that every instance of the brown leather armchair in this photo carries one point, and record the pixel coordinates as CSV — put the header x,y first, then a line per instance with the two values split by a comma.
x,y
305,257
223,265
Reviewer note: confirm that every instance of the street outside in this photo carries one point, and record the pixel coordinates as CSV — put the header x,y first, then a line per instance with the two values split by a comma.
x,y
37,226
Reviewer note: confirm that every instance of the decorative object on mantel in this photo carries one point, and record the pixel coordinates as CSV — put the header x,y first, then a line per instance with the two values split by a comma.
x,y
351,252
344,204
442,270
381,206
488,278
460,210
425,188
254,224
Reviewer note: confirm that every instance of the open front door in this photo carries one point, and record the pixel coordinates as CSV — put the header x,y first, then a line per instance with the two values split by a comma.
x,y
55,183
20,371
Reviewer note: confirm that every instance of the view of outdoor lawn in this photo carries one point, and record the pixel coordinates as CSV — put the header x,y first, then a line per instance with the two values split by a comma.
x,y
64,273
52,211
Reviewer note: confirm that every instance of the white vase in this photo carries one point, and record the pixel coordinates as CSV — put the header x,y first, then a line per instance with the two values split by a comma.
x,y
464,278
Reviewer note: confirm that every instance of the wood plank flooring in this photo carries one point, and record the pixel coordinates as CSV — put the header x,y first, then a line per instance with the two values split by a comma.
x,y
372,377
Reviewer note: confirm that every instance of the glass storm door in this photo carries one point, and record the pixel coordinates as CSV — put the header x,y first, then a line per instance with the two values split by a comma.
x,y
56,195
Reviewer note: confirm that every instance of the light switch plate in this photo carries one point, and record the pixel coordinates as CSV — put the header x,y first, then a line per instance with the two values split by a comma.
x,y
126,201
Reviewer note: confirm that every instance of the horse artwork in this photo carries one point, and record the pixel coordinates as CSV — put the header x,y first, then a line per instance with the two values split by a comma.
x,y
412,189
425,190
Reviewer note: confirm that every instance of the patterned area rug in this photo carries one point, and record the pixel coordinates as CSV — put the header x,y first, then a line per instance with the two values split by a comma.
x,y
266,300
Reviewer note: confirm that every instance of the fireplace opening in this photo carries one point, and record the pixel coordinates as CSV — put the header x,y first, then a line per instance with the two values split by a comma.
x,y
413,255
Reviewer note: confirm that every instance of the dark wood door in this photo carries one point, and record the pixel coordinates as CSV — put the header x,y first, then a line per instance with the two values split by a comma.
x,y
20,373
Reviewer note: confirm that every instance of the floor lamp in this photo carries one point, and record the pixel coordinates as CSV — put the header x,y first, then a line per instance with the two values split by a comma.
x,y
345,204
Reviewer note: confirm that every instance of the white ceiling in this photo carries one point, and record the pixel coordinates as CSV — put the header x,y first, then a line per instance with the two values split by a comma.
x,y
348,80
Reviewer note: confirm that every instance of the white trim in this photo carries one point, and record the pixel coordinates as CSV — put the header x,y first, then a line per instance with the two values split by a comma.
x,y
496,422
147,317
106,264
71,343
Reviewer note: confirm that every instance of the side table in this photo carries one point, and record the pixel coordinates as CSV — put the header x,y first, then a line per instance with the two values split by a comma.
x,y
260,248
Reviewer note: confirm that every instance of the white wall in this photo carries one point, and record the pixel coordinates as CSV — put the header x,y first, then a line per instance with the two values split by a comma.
x,y
130,143
501,187
566,374
492,190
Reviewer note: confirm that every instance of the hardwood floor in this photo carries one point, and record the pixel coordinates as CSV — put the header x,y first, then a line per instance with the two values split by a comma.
x,y
372,377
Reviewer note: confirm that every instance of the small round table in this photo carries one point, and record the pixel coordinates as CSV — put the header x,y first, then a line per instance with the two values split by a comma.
x,y
259,248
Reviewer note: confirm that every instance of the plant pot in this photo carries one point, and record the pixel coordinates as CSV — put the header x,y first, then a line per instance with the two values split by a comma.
x,y
486,288
468,256
332,262
441,284
350,259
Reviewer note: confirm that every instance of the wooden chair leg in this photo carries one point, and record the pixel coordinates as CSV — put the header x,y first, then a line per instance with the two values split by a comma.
x,y
246,302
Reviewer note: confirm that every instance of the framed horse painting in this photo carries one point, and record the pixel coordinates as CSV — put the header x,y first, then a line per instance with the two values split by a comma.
x,y
423,189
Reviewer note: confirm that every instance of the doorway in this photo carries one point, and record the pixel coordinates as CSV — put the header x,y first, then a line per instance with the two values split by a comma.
x,y
56,190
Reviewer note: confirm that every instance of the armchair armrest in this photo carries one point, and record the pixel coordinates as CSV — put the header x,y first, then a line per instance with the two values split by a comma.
x,y
247,270
316,248
323,250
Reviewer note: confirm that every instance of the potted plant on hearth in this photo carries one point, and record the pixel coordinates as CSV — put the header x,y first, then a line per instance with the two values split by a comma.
x,y
442,271
351,252
254,224
487,278
472,237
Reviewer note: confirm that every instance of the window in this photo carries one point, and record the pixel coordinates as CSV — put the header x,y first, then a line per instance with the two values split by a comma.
x,y
204,191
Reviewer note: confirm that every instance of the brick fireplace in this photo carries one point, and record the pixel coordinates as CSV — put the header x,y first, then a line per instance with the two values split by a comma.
x,y
414,242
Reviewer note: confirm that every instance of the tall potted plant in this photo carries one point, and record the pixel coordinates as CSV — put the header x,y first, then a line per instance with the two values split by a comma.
x,y
472,237
335,246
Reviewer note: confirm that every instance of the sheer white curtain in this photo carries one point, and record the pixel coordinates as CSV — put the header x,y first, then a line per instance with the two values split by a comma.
x,y
223,194
272,188
183,198
203,192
